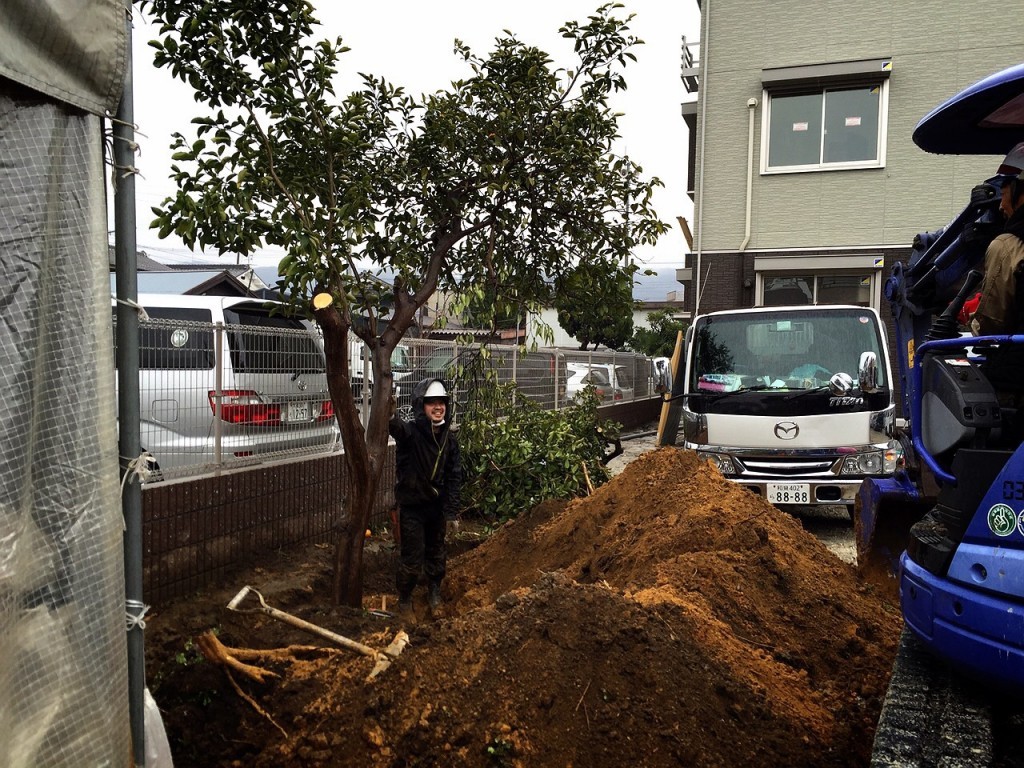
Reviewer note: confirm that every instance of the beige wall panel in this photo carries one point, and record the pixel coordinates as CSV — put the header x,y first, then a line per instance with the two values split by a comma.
x,y
937,48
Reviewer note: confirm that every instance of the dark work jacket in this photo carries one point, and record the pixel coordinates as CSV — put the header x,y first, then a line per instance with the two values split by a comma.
x,y
428,467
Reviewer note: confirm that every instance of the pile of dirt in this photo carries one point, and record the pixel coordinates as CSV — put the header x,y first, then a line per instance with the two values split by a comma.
x,y
671,618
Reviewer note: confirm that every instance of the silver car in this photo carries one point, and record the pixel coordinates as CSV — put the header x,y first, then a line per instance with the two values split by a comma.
x,y
228,380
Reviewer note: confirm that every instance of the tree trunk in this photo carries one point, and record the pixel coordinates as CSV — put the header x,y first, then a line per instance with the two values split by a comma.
x,y
365,451
348,550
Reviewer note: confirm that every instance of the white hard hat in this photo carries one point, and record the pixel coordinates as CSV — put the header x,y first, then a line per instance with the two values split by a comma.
x,y
435,389
1013,163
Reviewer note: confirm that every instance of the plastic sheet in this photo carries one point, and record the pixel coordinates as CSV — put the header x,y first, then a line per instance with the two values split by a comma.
x,y
63,680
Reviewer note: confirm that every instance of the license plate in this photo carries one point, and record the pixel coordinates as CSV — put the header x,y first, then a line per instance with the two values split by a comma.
x,y
297,412
789,493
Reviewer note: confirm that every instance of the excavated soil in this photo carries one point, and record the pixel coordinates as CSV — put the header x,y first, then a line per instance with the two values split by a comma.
x,y
670,619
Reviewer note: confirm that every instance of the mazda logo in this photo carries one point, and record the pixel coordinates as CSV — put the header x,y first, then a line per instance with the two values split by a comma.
x,y
786,430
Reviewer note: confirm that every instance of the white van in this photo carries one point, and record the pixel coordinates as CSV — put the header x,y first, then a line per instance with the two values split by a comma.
x,y
226,380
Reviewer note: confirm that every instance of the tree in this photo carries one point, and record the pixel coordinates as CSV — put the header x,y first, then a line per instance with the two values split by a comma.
x,y
595,304
659,340
497,184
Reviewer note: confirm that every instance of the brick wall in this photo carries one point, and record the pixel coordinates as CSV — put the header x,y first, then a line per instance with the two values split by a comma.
x,y
195,531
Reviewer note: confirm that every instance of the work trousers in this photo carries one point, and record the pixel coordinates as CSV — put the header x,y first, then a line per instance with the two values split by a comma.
x,y
421,532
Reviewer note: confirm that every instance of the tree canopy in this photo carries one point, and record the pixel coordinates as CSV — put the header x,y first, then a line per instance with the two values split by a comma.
x,y
659,338
496,186
595,304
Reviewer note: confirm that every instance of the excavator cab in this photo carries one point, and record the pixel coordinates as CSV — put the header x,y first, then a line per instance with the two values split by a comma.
x,y
949,527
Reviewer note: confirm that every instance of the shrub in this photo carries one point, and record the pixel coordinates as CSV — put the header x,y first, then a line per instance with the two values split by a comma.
x,y
531,455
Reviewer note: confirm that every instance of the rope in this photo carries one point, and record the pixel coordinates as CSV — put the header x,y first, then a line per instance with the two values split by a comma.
x,y
139,468
109,137
143,315
136,619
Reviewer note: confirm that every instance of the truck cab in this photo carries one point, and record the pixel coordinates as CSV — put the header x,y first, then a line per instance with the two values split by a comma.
x,y
794,403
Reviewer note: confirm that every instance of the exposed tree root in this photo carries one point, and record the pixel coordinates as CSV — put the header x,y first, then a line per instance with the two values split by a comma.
x,y
218,653
253,704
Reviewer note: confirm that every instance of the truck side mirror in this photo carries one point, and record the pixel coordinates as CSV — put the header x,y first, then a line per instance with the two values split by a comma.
x,y
867,372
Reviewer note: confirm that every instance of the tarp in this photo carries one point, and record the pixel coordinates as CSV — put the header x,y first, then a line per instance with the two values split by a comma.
x,y
74,51
63,654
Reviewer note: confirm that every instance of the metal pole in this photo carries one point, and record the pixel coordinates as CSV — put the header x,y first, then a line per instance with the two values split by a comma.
x,y
129,443
705,55
218,385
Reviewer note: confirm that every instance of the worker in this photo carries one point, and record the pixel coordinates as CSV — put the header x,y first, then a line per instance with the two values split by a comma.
x,y
999,310
428,471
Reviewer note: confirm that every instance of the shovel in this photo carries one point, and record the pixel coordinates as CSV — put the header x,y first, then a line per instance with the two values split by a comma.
x,y
383,658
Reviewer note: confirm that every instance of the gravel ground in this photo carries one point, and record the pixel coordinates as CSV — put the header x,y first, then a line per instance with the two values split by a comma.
x,y
832,525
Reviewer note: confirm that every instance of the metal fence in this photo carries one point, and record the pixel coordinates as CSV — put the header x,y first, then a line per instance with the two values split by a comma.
x,y
217,396
550,376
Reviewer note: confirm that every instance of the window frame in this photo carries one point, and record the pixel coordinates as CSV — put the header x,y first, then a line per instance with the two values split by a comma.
x,y
768,94
873,276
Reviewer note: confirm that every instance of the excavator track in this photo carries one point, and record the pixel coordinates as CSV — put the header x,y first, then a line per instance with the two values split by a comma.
x,y
934,718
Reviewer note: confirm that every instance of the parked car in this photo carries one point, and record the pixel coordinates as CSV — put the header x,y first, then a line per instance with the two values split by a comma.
x,y
582,375
359,365
611,382
225,378
661,375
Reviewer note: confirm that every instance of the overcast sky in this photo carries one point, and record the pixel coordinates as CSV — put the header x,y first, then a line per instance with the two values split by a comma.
x,y
410,44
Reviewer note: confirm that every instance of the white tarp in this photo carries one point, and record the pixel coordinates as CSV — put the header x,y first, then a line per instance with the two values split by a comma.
x,y
63,655
71,50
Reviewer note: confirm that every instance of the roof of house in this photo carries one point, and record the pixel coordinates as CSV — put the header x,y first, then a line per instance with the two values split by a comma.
x,y
208,283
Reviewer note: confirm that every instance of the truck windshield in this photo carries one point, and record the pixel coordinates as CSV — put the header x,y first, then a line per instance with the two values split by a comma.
x,y
779,349
400,359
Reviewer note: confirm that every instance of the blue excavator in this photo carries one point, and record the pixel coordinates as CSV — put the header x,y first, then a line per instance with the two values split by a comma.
x,y
949,526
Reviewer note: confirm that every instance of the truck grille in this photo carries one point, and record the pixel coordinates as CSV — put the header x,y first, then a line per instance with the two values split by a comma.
x,y
785,467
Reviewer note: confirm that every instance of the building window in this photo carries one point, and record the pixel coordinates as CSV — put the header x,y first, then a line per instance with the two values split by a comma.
x,y
825,117
788,289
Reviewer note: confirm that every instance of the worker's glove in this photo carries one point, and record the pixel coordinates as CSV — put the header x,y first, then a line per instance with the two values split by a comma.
x,y
969,308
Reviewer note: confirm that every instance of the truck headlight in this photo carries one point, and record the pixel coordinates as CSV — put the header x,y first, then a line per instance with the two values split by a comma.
x,y
722,461
871,463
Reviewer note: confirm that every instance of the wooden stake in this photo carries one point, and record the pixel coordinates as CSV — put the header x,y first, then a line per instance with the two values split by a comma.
x,y
586,475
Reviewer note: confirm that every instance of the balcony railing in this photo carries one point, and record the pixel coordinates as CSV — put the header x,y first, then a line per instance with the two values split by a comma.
x,y
689,69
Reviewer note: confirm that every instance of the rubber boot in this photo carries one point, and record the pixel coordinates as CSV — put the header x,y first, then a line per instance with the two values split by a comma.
x,y
434,600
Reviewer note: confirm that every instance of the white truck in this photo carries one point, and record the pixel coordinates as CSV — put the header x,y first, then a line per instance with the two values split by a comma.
x,y
361,371
795,403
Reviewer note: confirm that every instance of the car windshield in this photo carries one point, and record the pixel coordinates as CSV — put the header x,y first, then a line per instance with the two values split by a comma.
x,y
781,350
